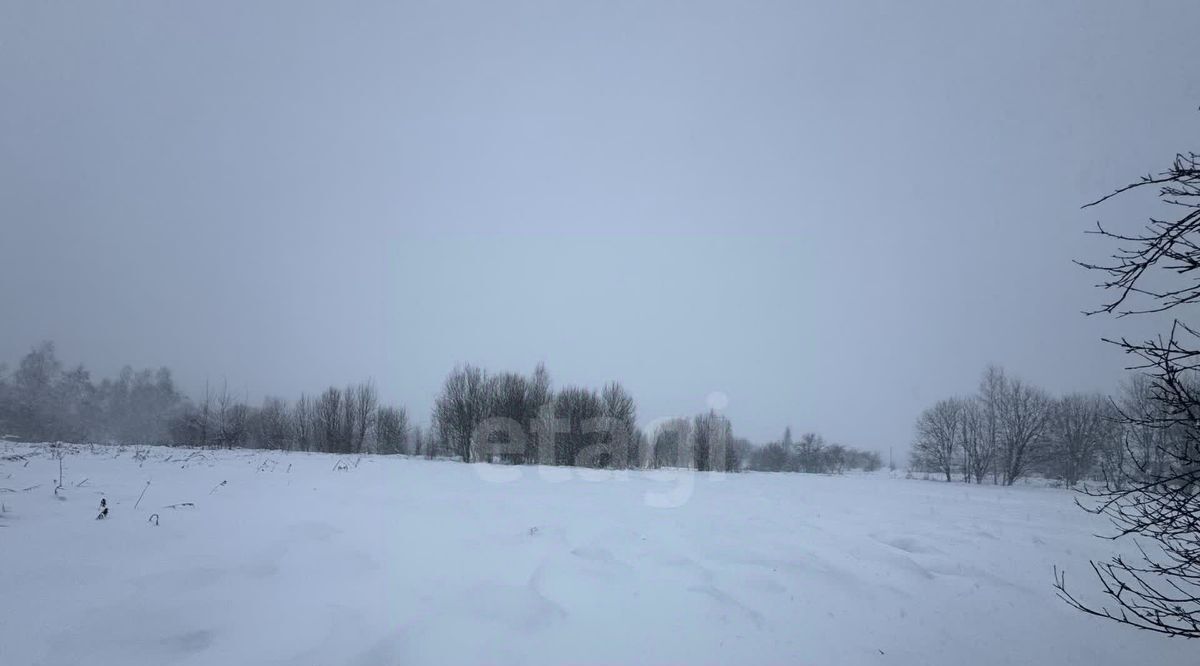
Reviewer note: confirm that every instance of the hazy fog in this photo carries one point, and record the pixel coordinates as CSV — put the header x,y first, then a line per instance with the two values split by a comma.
x,y
833,213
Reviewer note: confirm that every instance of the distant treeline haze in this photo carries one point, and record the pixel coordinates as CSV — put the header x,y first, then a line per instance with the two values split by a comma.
x,y
1010,429
478,416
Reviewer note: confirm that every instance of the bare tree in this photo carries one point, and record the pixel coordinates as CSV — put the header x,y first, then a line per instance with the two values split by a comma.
x,y
1155,270
1146,440
303,418
978,450
540,397
434,443
330,421
419,440
738,454
465,401
836,458
621,410
363,406
1024,413
992,387
204,417
939,429
349,421
809,453
1081,426
232,420
672,443
580,410
711,435
273,426
518,401
773,457
391,430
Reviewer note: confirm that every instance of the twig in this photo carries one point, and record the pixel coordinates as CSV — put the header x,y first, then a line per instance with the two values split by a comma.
x,y
135,505
217,486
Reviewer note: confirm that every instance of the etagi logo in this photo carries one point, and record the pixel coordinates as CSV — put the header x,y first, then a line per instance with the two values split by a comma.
x,y
563,444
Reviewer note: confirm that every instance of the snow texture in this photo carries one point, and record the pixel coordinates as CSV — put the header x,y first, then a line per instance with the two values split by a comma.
x,y
313,559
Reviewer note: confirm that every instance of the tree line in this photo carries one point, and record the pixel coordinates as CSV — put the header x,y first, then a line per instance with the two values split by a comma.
x,y
811,454
477,416
514,418
1009,429
42,400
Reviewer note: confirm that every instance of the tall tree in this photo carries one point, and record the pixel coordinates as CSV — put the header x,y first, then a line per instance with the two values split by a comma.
x,y
992,388
939,429
330,420
975,432
1024,413
620,412
809,450
273,425
1081,426
391,430
33,385
464,403
582,439
365,402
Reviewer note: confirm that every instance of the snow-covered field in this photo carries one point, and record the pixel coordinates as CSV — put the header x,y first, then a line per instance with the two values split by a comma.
x,y
397,561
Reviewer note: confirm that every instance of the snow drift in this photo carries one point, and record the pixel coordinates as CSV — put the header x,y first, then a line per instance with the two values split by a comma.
x,y
289,558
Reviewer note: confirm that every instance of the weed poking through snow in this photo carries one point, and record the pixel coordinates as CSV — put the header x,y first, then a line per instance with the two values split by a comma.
x,y
135,504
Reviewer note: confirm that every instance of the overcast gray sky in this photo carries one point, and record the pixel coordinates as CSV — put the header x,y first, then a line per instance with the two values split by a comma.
x,y
833,213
